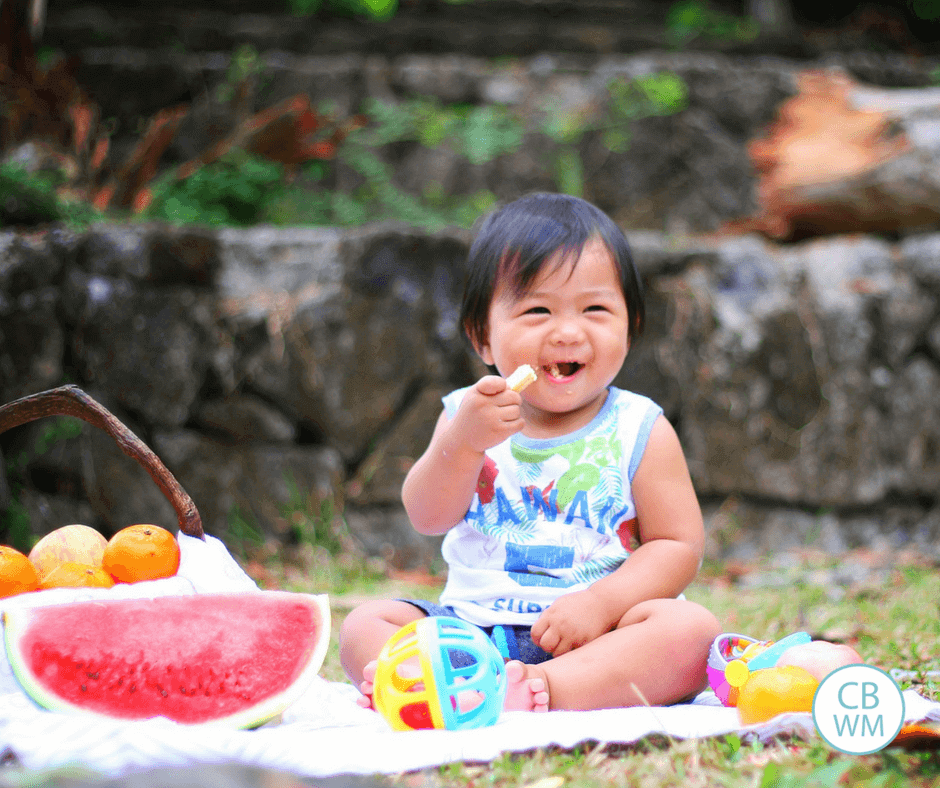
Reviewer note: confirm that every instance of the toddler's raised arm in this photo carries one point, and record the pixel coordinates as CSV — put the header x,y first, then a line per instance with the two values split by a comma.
x,y
440,486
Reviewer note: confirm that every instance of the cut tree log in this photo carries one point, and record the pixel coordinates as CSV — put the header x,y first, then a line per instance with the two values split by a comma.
x,y
843,157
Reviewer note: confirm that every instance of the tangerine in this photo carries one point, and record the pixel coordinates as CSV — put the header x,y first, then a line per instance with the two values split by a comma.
x,y
772,691
73,574
141,552
17,573
78,543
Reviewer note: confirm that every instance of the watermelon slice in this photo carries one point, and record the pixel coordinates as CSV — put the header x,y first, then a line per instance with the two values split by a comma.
x,y
234,659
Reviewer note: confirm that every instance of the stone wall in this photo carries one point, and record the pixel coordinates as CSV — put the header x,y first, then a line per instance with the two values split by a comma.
x,y
267,367
274,370
542,66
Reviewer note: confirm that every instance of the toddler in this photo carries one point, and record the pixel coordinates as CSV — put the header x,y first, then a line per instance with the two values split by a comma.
x,y
571,523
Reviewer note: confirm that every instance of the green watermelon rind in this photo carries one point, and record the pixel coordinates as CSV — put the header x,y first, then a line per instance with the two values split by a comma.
x,y
16,623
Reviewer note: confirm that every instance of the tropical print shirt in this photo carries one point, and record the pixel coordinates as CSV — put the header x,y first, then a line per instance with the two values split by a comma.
x,y
549,516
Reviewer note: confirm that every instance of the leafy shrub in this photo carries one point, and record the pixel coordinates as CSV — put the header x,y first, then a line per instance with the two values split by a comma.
x,y
28,198
235,190
378,10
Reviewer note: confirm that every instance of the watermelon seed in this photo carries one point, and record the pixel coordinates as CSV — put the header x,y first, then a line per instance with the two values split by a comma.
x,y
93,675
84,688
164,693
133,688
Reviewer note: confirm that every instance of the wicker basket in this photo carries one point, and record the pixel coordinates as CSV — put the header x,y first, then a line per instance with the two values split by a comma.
x,y
72,401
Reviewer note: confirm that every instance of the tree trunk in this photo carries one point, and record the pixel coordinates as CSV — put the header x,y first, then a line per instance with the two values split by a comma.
x,y
843,157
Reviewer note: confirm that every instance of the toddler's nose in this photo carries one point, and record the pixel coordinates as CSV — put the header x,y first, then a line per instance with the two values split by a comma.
x,y
567,331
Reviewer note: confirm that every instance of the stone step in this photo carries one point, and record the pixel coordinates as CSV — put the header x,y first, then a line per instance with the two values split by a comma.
x,y
483,28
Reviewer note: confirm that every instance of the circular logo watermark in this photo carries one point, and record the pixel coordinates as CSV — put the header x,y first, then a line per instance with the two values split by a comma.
x,y
858,709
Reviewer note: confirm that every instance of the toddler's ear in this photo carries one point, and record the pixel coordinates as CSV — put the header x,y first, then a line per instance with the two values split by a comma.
x,y
481,346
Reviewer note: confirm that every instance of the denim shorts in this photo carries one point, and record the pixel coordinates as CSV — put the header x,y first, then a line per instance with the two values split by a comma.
x,y
512,641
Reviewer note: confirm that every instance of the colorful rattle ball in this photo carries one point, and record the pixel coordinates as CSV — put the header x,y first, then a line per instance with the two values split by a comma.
x,y
733,658
439,672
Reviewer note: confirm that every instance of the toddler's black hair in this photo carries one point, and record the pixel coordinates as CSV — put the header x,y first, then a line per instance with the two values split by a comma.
x,y
517,239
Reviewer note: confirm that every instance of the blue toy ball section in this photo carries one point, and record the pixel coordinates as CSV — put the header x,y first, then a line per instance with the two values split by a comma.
x,y
439,672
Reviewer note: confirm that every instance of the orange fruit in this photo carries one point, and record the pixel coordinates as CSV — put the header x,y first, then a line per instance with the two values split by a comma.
x,y
772,691
72,574
141,552
820,657
77,543
17,573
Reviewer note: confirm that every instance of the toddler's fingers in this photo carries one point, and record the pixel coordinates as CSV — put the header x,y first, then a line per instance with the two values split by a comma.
x,y
491,385
545,638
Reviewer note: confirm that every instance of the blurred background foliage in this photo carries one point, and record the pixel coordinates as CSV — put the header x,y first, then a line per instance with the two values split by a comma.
x,y
280,166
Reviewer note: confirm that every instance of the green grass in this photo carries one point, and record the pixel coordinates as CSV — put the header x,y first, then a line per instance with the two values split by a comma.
x,y
887,612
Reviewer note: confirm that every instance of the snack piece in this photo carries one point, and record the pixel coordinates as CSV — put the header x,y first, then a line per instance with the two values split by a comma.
x,y
521,378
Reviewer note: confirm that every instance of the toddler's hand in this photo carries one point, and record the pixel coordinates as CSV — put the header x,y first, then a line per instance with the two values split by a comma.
x,y
569,622
490,413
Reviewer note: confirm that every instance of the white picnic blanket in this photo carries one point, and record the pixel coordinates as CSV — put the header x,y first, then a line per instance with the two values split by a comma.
x,y
325,733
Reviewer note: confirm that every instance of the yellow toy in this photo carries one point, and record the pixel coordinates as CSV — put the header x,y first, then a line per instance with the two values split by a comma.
x,y
733,658
439,672
766,678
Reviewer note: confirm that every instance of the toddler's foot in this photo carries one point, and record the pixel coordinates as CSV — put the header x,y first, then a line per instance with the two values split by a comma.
x,y
526,690
367,685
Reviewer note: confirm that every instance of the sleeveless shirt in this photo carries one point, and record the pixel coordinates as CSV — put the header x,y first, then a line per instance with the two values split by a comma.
x,y
549,516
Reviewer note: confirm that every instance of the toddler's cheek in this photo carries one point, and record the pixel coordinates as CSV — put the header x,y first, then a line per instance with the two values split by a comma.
x,y
820,658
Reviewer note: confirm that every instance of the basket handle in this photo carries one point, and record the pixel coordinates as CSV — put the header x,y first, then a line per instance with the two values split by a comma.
x,y
72,401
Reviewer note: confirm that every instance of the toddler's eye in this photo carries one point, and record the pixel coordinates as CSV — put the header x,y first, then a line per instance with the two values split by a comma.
x,y
596,308
537,310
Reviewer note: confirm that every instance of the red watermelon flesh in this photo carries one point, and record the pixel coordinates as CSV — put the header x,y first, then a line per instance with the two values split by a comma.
x,y
238,659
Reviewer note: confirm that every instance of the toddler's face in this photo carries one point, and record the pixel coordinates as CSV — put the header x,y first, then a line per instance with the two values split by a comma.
x,y
572,326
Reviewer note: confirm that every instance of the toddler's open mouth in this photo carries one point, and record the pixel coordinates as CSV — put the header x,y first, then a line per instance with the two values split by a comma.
x,y
562,369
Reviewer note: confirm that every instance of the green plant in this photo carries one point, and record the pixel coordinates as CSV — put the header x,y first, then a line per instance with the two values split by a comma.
x,y
15,526
38,197
925,9
629,100
480,134
235,190
311,519
378,10
244,65
54,431
691,19
242,533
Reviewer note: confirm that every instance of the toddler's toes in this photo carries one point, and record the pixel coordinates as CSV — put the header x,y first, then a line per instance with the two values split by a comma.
x,y
525,690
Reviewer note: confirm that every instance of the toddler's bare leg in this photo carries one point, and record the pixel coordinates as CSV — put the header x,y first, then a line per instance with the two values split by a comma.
x,y
368,628
657,655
